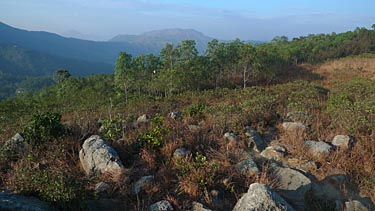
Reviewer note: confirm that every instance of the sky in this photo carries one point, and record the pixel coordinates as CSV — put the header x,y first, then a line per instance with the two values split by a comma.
x,y
222,19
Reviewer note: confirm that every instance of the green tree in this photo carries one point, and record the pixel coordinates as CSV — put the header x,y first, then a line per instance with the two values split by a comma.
x,y
61,75
247,61
122,73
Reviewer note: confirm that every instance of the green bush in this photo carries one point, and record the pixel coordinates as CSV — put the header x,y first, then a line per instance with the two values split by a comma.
x,y
196,110
154,137
353,108
51,186
113,128
43,127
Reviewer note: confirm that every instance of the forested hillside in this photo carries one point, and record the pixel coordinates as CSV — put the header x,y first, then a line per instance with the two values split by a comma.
x,y
29,70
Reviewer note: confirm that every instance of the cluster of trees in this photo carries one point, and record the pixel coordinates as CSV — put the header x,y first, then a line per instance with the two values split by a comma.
x,y
231,64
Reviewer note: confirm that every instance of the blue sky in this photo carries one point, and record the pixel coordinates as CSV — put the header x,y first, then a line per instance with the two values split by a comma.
x,y
223,19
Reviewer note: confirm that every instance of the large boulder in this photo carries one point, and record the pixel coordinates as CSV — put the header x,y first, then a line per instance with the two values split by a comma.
x,y
11,201
97,156
292,185
254,140
163,205
318,148
261,197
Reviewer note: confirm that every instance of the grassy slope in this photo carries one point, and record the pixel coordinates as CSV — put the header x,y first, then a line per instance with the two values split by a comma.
x,y
82,101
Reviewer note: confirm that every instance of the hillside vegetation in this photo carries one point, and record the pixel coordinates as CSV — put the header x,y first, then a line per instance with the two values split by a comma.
x,y
228,105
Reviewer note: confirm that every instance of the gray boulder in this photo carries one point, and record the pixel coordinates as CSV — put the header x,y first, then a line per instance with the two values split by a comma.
x,y
318,148
163,205
254,140
292,185
97,157
138,186
342,141
11,201
143,119
261,197
294,127
247,167
273,153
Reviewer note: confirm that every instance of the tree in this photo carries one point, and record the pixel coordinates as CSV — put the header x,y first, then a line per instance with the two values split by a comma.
x,y
61,75
122,73
246,61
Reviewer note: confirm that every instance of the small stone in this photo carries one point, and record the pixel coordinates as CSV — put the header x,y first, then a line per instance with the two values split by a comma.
x,y
294,127
16,145
230,137
355,206
254,140
318,148
143,119
175,115
199,207
193,128
273,153
180,153
102,189
342,141
248,167
163,205
138,186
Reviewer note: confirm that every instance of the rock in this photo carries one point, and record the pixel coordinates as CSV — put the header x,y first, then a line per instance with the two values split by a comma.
x,y
217,198
180,153
247,167
175,115
298,116
199,207
230,137
355,206
330,188
254,140
261,197
193,128
16,145
273,153
294,127
342,141
138,186
163,205
143,119
301,165
102,189
318,148
292,185
12,201
97,156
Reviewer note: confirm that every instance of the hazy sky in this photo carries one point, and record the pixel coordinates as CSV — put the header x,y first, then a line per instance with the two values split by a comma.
x,y
223,19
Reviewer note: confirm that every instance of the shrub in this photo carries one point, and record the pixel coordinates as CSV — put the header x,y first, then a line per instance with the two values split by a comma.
x,y
353,108
43,127
50,185
154,137
196,110
113,128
